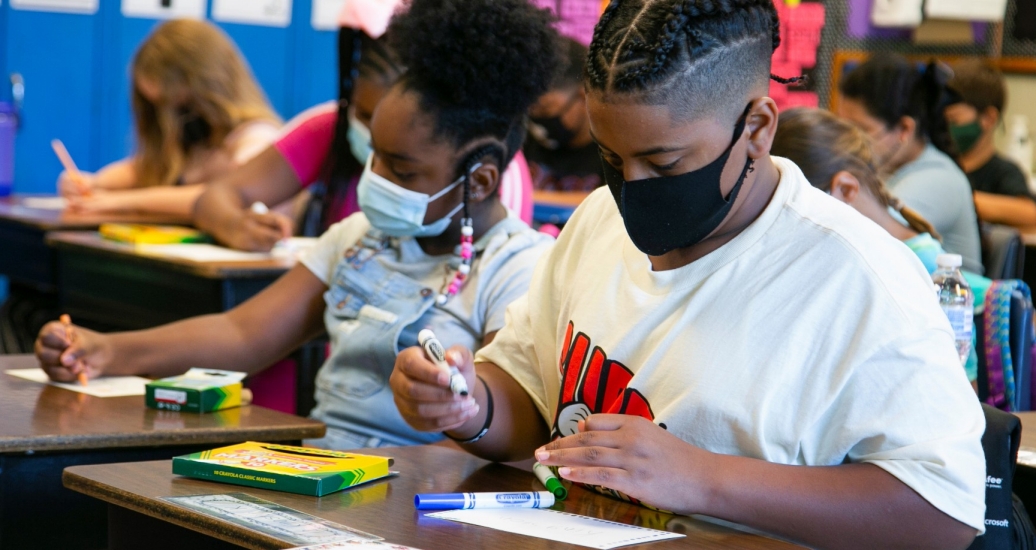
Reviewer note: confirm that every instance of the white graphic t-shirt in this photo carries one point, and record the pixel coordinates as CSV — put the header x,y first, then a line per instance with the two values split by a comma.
x,y
812,338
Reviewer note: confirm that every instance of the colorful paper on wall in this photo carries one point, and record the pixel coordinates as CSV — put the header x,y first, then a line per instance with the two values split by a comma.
x,y
966,10
268,13
801,29
66,6
164,9
576,18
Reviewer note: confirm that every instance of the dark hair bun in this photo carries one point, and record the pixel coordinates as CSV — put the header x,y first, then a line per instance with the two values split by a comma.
x,y
485,55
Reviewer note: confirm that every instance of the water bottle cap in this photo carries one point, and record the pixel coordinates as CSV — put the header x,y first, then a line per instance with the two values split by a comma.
x,y
949,260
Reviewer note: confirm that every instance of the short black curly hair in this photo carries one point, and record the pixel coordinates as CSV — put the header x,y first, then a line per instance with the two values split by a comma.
x,y
477,66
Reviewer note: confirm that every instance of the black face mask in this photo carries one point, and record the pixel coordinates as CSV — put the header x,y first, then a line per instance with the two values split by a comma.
x,y
195,129
555,134
665,213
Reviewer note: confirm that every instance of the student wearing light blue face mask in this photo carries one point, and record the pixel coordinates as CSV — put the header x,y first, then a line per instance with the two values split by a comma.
x,y
324,148
433,246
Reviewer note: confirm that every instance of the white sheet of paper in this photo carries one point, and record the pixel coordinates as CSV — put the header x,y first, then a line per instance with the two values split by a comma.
x,y
1027,456
354,545
896,13
967,10
45,203
65,6
153,9
268,13
558,526
106,386
201,253
325,14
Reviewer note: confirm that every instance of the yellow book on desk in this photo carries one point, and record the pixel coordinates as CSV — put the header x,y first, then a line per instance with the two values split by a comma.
x,y
151,234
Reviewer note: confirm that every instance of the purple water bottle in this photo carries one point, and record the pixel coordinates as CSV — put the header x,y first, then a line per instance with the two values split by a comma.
x,y
8,126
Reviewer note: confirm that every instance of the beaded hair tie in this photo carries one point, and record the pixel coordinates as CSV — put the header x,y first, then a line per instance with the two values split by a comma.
x,y
467,245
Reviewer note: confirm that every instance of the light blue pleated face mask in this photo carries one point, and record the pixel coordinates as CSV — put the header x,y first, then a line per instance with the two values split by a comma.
x,y
359,138
400,212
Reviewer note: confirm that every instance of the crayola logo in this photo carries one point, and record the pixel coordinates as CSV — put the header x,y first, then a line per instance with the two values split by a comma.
x,y
513,498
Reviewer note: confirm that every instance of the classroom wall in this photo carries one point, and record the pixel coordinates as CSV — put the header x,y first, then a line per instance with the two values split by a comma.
x,y
76,71
1021,89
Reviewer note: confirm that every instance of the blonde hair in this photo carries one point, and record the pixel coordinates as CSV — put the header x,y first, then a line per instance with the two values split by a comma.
x,y
823,145
189,59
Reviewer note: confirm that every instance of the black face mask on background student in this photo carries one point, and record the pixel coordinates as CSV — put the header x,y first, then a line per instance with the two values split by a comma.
x,y
669,212
195,130
552,132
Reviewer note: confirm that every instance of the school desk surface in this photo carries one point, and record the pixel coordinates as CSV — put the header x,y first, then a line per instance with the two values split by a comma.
x,y
44,429
555,206
385,508
24,256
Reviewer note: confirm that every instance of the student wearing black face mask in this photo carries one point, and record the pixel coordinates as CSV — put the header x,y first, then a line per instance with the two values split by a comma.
x,y
1001,189
713,335
562,156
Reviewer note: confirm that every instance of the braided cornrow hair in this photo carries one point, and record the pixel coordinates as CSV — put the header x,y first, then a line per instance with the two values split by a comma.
x,y
641,46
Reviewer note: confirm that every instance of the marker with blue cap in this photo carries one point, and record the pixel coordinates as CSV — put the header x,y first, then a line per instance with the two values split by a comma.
x,y
470,501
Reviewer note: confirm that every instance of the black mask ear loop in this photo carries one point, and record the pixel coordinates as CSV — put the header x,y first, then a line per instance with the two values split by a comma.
x,y
739,130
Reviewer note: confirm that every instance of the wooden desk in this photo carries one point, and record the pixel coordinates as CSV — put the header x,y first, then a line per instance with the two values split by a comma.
x,y
555,206
31,265
26,259
44,429
385,508
111,286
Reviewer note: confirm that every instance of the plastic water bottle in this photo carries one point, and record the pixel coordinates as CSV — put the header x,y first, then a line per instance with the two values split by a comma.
x,y
8,126
956,300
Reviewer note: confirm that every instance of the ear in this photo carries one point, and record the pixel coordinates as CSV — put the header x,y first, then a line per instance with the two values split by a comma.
x,y
484,180
845,187
762,126
989,118
905,129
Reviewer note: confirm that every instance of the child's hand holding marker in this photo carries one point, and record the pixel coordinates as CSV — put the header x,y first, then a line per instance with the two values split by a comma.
x,y
68,353
424,388
258,229
637,457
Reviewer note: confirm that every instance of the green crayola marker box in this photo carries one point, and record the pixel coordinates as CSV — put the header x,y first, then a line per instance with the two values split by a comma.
x,y
301,470
197,390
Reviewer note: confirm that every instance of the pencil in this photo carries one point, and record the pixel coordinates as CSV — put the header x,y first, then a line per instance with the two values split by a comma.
x,y
70,165
66,320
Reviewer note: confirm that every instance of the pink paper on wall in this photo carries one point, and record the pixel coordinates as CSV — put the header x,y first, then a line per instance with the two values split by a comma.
x,y
801,28
576,19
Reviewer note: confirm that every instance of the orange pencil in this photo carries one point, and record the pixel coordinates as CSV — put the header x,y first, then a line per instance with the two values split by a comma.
x,y
70,165
66,320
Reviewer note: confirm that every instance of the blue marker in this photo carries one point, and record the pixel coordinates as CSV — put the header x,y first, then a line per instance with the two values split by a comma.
x,y
468,501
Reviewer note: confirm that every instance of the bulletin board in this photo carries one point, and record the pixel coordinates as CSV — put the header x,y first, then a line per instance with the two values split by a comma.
x,y
848,38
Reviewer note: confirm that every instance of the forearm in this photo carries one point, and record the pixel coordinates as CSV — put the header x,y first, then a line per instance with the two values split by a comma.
x,y
117,175
210,341
849,506
1015,211
176,202
247,338
517,428
267,178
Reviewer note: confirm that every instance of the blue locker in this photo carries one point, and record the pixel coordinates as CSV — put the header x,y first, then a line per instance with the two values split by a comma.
x,y
56,53
123,36
316,60
268,51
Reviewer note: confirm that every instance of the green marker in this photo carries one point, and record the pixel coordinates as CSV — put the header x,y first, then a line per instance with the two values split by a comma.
x,y
552,483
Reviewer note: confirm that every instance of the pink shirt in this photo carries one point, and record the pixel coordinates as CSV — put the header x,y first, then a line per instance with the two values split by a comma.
x,y
306,141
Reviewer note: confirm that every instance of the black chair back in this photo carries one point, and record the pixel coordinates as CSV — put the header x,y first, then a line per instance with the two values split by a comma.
x,y
1003,252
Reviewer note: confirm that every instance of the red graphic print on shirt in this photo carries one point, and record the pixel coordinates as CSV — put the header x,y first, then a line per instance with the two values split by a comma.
x,y
591,384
